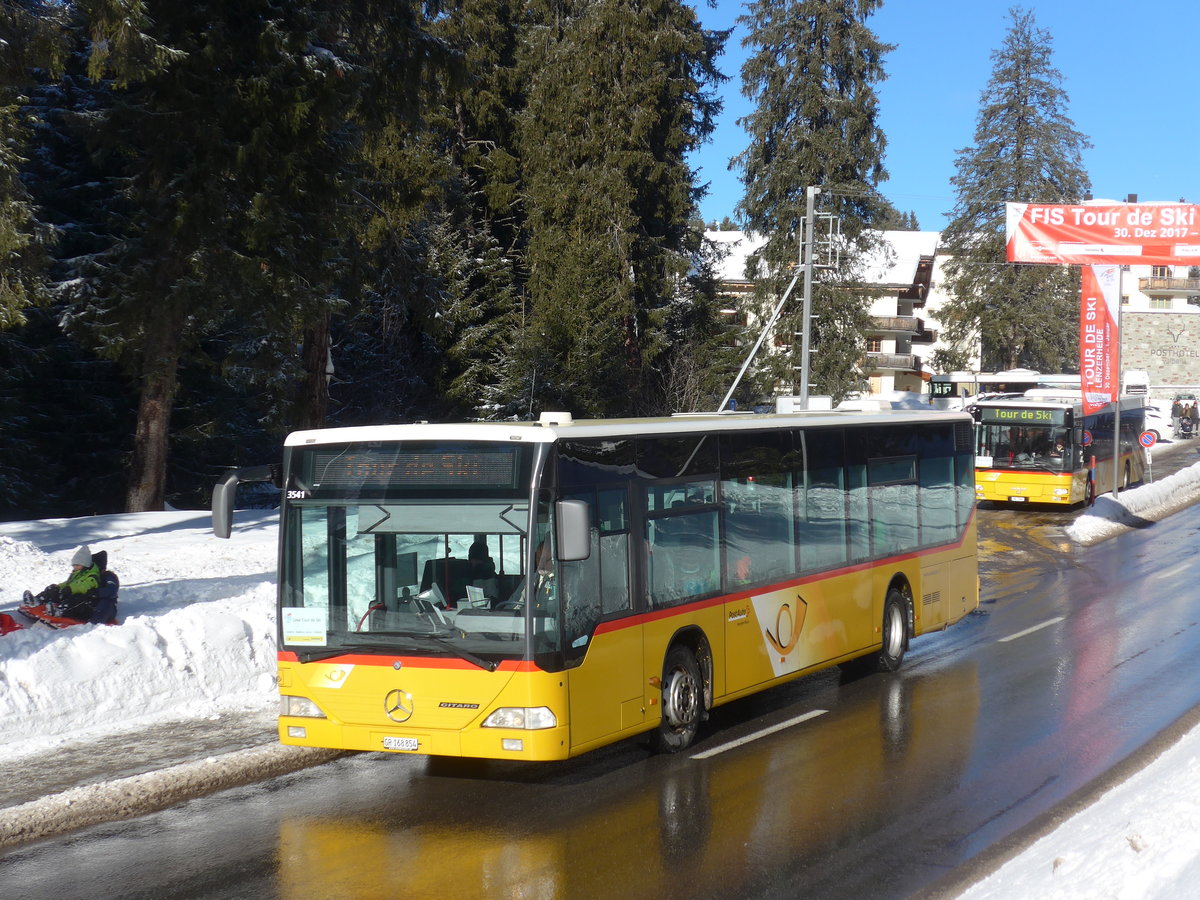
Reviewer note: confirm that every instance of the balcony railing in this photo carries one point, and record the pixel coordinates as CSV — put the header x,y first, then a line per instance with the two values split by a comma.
x,y
896,324
893,362
1159,284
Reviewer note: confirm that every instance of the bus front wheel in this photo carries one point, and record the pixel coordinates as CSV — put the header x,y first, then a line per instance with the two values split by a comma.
x,y
682,701
895,633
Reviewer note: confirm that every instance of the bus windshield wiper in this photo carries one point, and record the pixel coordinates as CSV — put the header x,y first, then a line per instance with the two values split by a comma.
x,y
489,665
368,642
1044,465
307,656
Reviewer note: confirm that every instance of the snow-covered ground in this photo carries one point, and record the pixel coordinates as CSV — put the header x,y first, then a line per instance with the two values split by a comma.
x,y
197,632
197,643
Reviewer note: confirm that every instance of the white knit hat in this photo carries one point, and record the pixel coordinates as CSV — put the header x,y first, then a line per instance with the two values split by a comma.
x,y
82,557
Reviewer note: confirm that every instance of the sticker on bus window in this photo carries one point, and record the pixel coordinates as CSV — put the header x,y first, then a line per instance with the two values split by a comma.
x,y
304,626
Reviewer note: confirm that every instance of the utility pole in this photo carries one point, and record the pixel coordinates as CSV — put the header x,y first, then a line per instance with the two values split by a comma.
x,y
810,240
761,337
1117,390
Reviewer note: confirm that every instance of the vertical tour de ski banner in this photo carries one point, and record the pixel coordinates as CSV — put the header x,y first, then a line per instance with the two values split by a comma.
x,y
1099,306
1101,237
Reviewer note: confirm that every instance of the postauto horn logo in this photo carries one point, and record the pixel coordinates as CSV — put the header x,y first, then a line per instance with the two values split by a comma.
x,y
783,621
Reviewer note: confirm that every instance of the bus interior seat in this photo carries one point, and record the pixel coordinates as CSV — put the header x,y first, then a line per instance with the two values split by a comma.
x,y
489,586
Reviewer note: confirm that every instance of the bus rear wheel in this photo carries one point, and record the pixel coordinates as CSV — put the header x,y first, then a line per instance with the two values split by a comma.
x,y
682,701
895,632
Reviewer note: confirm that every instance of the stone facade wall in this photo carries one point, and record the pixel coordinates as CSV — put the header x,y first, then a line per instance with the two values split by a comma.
x,y
1165,344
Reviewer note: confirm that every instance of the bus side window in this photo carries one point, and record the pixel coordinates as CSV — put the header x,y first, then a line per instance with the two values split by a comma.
x,y
821,503
758,529
756,507
894,510
683,556
858,516
937,516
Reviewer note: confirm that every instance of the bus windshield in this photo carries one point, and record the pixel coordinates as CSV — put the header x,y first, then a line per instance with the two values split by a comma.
x,y
1009,446
409,548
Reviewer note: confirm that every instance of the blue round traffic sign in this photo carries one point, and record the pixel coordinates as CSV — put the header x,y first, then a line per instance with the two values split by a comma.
x,y
1087,438
1148,439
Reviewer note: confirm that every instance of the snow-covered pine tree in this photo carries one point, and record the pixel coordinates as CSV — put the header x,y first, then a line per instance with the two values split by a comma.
x,y
1025,148
811,72
618,93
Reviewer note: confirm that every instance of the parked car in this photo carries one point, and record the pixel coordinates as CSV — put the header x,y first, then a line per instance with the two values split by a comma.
x,y
1158,423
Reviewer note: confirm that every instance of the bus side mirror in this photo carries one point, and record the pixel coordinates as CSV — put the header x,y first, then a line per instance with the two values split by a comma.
x,y
225,493
574,530
222,505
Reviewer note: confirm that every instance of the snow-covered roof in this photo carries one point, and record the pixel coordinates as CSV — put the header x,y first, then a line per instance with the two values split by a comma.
x,y
736,247
894,262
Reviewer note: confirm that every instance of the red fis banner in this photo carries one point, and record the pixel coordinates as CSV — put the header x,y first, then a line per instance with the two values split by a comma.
x,y
1099,305
1160,234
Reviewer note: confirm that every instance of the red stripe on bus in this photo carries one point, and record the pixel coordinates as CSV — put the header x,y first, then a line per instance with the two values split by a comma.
x,y
655,615
424,662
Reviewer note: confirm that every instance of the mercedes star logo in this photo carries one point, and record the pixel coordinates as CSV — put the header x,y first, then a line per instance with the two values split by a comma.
x,y
398,705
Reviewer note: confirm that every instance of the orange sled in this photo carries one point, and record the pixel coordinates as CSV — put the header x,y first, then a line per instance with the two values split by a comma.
x,y
32,615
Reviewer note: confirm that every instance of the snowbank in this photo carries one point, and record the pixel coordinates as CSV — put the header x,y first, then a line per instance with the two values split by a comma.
x,y
197,633
1136,507
1139,841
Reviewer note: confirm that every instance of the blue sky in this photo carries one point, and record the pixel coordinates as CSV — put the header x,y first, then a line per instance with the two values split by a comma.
x,y
1129,70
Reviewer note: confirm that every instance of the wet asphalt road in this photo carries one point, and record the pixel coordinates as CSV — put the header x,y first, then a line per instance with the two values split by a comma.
x,y
1077,662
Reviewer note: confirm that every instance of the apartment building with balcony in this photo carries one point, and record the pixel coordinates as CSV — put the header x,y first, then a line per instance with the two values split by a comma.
x,y
1160,312
901,280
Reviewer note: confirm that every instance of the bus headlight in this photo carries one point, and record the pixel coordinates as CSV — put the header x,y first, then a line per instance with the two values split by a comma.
x,y
528,718
299,706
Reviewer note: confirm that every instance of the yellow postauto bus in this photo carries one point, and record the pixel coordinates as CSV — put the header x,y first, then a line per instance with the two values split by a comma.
x,y
1041,448
536,590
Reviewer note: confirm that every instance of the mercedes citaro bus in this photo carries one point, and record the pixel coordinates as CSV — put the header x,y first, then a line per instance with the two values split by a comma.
x,y
534,590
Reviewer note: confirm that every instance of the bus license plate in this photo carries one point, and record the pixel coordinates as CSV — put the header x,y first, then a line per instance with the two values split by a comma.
x,y
398,743
1017,499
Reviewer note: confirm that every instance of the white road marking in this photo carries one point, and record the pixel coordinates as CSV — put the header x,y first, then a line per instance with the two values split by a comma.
x,y
1021,634
758,734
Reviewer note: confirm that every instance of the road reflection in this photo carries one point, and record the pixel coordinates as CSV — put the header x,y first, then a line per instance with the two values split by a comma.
x,y
662,826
